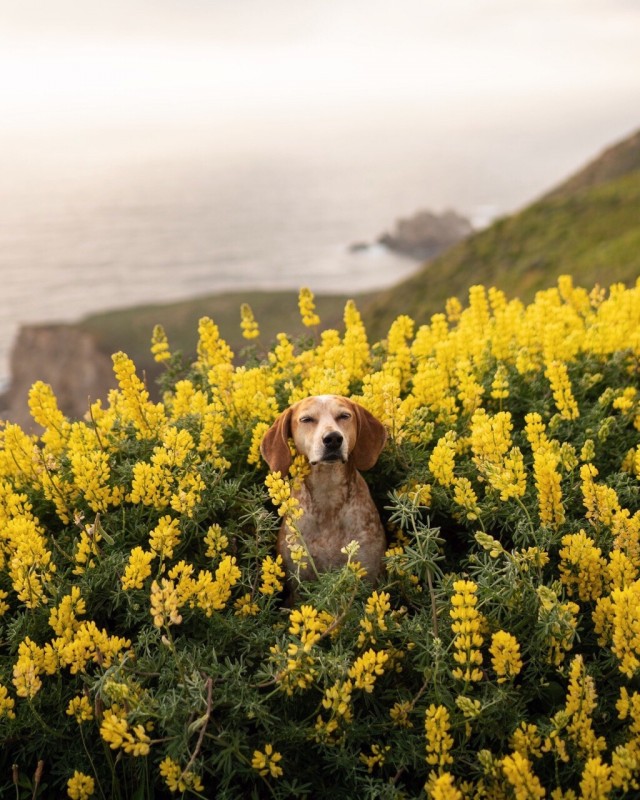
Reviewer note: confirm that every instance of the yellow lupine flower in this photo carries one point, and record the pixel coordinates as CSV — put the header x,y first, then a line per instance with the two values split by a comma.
x,y
596,781
579,708
160,345
505,656
272,575
625,627
558,376
80,708
147,417
216,541
367,668
267,762
519,772
164,538
376,758
80,786
439,742
212,350
466,629
308,624
117,733
177,779
442,787
307,308
547,480
582,567
138,568
165,603
211,594
7,704
442,460
250,329
43,406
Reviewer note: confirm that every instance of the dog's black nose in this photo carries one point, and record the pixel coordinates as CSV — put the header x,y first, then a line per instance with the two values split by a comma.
x,y
333,440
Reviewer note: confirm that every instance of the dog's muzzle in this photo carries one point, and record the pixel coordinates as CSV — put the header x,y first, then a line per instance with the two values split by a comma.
x,y
332,443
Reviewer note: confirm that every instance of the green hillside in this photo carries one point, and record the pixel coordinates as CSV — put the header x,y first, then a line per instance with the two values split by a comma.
x,y
592,233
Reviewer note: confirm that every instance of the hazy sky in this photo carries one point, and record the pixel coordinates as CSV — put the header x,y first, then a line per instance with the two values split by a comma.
x,y
111,62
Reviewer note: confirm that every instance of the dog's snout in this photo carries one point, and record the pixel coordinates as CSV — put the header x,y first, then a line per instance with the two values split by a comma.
x,y
333,440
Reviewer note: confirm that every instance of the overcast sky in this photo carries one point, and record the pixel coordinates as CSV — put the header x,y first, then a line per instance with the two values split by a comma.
x,y
91,59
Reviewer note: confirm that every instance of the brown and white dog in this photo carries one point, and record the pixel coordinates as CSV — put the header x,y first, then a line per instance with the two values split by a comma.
x,y
338,437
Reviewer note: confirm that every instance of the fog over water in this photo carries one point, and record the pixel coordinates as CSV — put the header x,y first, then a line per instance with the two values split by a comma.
x,y
156,151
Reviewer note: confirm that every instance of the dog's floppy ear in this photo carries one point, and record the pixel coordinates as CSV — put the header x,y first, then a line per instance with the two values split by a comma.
x,y
370,440
275,444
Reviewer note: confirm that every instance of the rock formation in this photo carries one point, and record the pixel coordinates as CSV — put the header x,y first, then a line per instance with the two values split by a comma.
x,y
63,356
425,234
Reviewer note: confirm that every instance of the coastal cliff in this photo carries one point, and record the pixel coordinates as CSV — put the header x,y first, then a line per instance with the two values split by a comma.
x,y
63,356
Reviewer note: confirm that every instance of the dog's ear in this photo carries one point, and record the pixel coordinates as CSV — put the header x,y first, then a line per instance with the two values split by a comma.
x,y
370,440
275,444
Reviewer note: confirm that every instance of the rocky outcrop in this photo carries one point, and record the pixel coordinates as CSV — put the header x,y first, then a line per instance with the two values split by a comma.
x,y
425,234
63,356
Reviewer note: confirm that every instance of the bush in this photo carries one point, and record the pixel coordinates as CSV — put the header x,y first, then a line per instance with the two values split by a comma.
x,y
145,648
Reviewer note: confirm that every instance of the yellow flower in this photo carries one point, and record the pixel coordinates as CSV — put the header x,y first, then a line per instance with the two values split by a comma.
x,y
165,603
437,725
216,541
399,714
245,606
625,627
558,376
582,567
138,568
116,732
547,480
7,704
80,786
272,575
307,308
266,762
250,329
80,708
442,787
442,460
165,537
211,594
518,771
308,624
505,656
579,708
466,627
376,758
177,779
160,345
596,781
374,621
367,668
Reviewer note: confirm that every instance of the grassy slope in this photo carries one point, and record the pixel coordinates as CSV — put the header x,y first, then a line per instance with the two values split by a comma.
x,y
592,233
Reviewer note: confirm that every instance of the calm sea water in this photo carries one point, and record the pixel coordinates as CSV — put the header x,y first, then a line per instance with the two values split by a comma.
x,y
86,227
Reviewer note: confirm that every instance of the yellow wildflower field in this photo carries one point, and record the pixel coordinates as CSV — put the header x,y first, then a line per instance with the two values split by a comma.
x,y
145,647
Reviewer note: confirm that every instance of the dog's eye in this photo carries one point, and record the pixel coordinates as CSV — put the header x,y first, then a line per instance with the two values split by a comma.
x,y
307,419
344,415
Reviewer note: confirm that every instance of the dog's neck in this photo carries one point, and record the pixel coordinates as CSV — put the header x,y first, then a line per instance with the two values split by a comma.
x,y
330,480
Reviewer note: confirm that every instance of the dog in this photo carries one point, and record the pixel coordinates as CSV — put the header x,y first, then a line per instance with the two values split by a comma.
x,y
338,437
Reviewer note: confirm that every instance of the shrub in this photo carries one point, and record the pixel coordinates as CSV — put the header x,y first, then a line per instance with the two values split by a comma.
x,y
145,649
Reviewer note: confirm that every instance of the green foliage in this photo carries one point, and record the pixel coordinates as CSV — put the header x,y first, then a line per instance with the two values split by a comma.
x,y
495,657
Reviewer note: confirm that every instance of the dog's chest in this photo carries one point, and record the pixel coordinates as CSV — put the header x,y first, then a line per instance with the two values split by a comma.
x,y
336,514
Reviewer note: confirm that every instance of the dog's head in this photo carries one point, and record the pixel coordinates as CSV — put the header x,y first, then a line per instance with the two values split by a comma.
x,y
326,429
